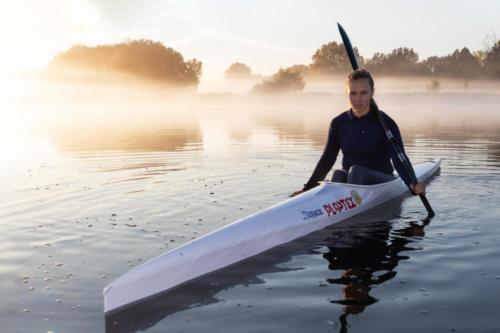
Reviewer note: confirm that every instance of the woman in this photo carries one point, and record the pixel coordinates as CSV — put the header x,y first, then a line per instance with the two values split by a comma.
x,y
365,148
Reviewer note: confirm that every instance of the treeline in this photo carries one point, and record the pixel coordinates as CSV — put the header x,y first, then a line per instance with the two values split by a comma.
x,y
284,81
331,59
152,60
143,58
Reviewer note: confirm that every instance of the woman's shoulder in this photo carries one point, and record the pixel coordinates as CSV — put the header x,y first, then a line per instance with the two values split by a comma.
x,y
337,120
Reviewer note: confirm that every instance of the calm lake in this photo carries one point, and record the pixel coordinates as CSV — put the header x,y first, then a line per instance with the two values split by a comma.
x,y
89,194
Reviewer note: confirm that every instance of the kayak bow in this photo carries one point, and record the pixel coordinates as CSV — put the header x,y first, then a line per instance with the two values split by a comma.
x,y
313,210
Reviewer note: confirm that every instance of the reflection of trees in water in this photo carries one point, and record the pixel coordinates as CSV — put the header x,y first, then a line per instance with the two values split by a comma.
x,y
158,140
240,134
494,153
464,145
424,140
302,117
308,115
297,120
300,125
367,252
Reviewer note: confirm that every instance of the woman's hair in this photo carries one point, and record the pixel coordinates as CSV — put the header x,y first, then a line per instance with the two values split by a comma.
x,y
359,74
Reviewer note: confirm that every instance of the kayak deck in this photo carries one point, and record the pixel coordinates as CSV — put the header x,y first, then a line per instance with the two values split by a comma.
x,y
313,210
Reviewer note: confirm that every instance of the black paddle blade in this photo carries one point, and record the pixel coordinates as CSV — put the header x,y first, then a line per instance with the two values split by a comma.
x,y
348,47
427,205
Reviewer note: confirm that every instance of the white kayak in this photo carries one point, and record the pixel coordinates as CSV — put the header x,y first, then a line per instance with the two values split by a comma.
x,y
315,209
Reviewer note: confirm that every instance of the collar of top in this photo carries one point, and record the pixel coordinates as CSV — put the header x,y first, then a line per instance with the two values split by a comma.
x,y
369,116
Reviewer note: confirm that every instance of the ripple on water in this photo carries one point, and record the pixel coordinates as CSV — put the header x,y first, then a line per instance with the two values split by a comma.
x,y
72,224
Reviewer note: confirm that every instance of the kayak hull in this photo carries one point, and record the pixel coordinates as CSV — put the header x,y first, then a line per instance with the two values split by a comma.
x,y
313,210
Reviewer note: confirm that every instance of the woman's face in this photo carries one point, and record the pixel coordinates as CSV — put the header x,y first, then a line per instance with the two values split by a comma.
x,y
360,94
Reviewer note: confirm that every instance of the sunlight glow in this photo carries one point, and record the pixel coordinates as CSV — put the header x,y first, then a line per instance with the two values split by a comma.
x,y
21,144
32,32
215,135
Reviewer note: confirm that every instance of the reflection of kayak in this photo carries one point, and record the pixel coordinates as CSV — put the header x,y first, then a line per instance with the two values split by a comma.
x,y
326,204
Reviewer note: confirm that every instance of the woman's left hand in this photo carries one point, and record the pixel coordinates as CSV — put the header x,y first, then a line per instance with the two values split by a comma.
x,y
419,188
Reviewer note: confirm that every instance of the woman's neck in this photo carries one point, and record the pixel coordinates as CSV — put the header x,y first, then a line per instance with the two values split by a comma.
x,y
359,114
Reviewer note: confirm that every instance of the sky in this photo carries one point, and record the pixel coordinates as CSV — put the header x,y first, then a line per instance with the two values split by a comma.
x,y
264,34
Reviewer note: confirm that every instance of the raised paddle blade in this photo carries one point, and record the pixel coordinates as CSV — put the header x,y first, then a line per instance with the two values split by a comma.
x,y
348,47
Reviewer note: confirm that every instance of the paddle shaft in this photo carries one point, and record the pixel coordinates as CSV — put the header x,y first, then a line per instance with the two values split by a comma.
x,y
399,151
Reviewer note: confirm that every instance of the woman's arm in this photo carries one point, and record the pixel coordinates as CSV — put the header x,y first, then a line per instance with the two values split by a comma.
x,y
327,159
414,188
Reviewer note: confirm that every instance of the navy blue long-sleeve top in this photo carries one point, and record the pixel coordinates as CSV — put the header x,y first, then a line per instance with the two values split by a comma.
x,y
363,142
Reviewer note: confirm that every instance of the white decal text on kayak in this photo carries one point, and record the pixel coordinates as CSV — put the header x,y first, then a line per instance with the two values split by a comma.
x,y
309,214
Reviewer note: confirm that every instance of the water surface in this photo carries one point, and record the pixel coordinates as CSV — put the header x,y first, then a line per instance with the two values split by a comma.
x,y
81,205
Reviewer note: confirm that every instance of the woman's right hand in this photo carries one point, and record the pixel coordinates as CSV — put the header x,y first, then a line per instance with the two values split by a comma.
x,y
418,188
296,193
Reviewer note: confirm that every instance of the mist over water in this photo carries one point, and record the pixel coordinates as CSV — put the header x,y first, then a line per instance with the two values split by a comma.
x,y
98,179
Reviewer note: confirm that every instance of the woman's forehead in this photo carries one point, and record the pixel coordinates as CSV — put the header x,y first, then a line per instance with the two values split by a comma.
x,y
360,84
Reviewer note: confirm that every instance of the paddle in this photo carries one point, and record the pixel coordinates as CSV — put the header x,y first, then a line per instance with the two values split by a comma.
x,y
402,156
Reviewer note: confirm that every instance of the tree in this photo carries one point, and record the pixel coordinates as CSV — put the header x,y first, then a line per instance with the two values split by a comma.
x,y
238,70
459,64
332,58
466,65
143,58
401,61
480,55
303,70
435,86
284,81
492,61
434,66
